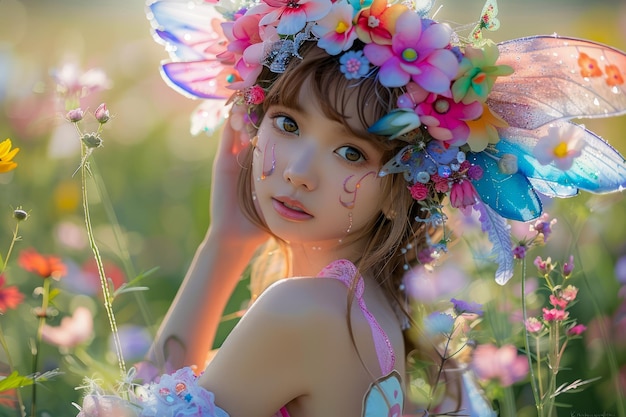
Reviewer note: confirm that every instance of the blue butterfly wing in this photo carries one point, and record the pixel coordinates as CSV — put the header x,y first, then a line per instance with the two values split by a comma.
x,y
552,81
599,168
192,35
510,195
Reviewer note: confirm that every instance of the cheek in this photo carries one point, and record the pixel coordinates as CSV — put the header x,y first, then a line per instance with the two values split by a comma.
x,y
352,187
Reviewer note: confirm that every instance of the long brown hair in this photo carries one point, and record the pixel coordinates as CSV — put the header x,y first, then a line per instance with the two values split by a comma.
x,y
397,227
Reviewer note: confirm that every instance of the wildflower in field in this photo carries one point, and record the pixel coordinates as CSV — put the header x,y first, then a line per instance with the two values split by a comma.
x,y
42,265
576,330
73,82
501,364
555,314
73,330
6,156
439,323
464,307
533,325
10,297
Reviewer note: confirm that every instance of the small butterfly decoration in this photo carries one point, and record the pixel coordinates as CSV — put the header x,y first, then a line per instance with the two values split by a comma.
x,y
488,20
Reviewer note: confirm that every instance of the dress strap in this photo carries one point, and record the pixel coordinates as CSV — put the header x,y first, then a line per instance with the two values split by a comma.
x,y
346,272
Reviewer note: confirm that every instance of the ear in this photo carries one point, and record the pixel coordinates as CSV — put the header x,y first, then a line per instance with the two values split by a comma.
x,y
388,209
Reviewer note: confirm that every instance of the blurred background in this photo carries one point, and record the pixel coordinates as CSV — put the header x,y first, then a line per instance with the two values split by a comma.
x,y
150,198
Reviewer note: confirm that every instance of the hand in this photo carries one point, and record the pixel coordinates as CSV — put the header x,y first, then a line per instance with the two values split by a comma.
x,y
227,218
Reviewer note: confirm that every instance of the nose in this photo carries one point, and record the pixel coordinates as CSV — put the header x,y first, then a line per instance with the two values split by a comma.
x,y
300,169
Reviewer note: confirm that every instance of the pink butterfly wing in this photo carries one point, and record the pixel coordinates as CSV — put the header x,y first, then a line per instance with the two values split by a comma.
x,y
558,78
193,36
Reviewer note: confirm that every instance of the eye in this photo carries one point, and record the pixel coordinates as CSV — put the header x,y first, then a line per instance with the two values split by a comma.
x,y
351,154
286,124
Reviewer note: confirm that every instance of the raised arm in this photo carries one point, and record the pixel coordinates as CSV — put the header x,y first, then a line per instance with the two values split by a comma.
x,y
186,334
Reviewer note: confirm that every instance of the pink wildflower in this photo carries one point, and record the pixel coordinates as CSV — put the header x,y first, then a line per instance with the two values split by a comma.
x,y
72,81
462,194
533,325
576,330
554,314
102,114
417,52
544,267
73,330
501,364
558,302
569,293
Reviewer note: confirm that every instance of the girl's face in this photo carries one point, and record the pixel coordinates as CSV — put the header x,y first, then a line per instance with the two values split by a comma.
x,y
315,182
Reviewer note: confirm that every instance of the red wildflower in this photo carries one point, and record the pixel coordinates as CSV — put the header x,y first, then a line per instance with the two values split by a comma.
x,y
42,265
10,297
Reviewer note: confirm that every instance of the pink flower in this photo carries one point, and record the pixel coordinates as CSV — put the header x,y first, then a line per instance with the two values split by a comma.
x,y
561,146
102,114
544,267
73,330
576,330
441,184
502,364
554,314
569,293
445,119
419,191
558,302
377,23
335,31
533,325
72,81
291,15
462,194
417,52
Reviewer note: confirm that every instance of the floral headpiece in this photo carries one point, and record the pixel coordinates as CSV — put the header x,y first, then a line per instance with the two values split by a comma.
x,y
486,125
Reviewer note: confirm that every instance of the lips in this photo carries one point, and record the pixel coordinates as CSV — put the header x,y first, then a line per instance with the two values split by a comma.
x,y
290,209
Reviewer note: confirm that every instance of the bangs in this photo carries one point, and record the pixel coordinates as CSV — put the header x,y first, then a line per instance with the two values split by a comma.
x,y
336,94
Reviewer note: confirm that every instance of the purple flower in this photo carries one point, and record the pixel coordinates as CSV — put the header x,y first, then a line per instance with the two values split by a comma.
x,y
75,115
464,307
568,267
102,114
418,52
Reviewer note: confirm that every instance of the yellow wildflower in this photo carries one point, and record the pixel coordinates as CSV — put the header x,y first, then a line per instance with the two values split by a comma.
x,y
6,156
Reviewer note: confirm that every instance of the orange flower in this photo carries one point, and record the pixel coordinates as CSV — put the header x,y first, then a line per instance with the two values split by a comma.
x,y
44,266
10,297
613,75
588,66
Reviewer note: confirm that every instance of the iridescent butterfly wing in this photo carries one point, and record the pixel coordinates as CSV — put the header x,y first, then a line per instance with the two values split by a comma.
x,y
558,78
555,79
192,34
599,168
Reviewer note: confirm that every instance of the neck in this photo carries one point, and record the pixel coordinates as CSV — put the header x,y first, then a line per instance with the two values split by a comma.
x,y
309,258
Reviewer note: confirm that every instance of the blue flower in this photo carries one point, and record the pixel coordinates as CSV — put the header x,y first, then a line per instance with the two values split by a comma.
x,y
439,323
354,65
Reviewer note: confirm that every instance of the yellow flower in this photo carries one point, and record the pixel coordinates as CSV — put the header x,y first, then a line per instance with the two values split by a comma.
x,y
6,156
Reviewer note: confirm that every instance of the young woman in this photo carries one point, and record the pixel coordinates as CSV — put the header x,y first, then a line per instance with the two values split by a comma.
x,y
351,124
